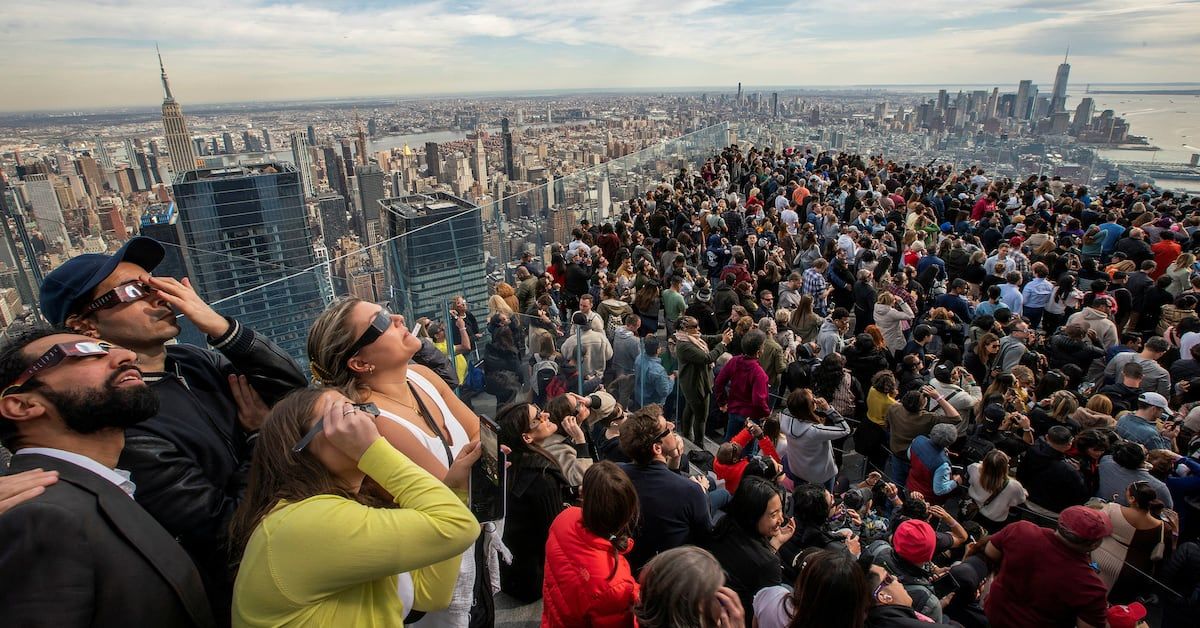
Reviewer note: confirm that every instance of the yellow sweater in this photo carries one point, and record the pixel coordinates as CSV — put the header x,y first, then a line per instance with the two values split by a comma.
x,y
331,561
877,406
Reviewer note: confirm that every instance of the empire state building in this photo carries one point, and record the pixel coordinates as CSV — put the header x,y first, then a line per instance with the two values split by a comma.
x,y
179,141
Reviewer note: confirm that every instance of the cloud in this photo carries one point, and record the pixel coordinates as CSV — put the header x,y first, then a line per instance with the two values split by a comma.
x,y
78,54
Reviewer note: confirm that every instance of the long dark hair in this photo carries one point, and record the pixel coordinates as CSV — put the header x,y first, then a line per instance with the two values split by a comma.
x,y
513,420
1146,498
276,473
831,590
828,376
610,507
749,503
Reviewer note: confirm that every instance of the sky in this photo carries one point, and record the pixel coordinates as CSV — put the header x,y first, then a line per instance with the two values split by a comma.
x,y
73,54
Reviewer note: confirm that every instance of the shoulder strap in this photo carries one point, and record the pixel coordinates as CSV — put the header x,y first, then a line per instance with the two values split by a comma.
x,y
431,423
991,498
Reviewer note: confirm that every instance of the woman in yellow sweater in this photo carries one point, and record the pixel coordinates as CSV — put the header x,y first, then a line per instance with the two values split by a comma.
x,y
317,548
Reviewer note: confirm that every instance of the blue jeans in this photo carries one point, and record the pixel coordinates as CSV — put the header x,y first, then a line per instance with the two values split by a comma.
x,y
736,423
718,498
899,470
1034,314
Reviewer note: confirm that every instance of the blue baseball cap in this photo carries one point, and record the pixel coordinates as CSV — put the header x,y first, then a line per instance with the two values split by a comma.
x,y
80,275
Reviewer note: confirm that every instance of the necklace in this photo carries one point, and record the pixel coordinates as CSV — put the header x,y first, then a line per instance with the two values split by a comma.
x,y
410,406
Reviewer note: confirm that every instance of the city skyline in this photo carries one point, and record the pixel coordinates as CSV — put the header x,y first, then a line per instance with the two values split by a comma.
x,y
285,50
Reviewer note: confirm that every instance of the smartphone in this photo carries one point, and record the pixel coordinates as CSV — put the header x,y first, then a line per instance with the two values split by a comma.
x,y
945,585
487,489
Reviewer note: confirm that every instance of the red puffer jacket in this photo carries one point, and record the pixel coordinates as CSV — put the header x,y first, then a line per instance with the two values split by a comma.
x,y
577,590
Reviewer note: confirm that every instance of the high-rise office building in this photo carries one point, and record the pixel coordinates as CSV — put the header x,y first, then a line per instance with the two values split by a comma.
x,y
335,222
227,143
335,171
433,160
303,160
246,232
1083,113
312,135
1021,106
1058,98
360,143
179,141
510,166
479,162
102,154
47,213
347,157
441,256
371,190
266,140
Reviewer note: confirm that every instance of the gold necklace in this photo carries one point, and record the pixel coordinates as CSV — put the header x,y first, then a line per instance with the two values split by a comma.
x,y
406,405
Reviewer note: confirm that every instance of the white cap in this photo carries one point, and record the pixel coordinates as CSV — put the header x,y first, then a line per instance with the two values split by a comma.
x,y
1156,400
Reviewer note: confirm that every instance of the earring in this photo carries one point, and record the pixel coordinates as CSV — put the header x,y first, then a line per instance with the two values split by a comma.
x,y
370,368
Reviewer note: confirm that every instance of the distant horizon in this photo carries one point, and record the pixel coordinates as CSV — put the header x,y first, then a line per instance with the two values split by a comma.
x,y
74,55
553,92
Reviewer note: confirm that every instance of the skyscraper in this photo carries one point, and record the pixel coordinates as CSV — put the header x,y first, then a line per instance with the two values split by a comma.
x,y
161,222
303,160
266,140
510,166
479,162
334,222
227,143
1058,98
246,232
433,160
442,256
102,154
1022,103
371,189
47,213
179,141
360,142
312,136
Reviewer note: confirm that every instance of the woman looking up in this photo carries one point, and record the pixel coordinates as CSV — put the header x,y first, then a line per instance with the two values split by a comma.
x,y
317,550
366,351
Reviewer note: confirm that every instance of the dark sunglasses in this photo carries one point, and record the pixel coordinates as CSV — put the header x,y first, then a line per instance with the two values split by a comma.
x,y
54,357
664,434
883,584
369,408
378,326
124,293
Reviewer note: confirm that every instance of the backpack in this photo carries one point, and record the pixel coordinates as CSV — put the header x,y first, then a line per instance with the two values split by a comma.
x,y
544,372
555,387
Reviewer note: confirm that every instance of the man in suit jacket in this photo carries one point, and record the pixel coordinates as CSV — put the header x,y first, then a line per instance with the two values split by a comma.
x,y
82,552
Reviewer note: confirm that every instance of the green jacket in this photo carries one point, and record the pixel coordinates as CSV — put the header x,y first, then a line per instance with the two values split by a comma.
x,y
772,360
696,366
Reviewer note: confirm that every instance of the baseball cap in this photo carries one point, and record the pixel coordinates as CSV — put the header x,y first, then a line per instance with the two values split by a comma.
x,y
1126,615
1086,523
914,541
943,371
80,275
1156,400
946,227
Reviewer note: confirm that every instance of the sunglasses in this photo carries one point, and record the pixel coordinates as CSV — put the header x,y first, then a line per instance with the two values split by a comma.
x,y
378,326
369,408
124,293
883,584
54,357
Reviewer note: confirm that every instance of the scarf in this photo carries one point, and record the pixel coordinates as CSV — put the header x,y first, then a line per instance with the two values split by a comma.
x,y
682,336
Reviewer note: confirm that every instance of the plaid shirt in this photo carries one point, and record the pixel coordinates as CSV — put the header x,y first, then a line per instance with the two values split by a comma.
x,y
815,285
1021,263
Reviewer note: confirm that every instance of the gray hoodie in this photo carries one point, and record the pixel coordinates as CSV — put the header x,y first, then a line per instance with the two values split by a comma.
x,y
830,338
626,348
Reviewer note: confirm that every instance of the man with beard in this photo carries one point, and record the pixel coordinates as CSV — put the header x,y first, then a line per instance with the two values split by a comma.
x,y
83,553
190,460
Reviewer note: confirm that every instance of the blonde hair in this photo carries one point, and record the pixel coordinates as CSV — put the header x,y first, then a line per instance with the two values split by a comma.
x,y
1101,404
886,298
329,342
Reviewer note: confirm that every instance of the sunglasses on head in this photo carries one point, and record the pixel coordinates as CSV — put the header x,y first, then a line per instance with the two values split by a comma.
x,y
53,357
378,326
124,293
369,408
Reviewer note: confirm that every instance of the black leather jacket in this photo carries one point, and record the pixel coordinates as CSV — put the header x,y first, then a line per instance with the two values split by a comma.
x,y
190,461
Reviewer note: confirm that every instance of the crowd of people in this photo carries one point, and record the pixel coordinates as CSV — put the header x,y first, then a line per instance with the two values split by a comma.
x,y
783,389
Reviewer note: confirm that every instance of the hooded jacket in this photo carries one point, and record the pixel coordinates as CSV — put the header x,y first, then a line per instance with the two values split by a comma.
x,y
596,348
830,338
587,583
1105,329
742,384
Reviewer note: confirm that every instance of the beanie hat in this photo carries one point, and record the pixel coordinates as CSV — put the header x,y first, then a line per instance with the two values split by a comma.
x,y
914,541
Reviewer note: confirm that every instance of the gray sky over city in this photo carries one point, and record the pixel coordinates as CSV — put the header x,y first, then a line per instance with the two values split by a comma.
x,y
73,54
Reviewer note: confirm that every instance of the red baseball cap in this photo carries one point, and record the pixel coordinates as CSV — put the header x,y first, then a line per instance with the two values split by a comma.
x,y
1086,523
1126,616
914,541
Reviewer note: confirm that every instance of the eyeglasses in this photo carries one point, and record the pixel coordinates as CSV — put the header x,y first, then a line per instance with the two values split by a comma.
x,y
54,357
883,584
666,432
124,293
539,417
378,326
369,408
